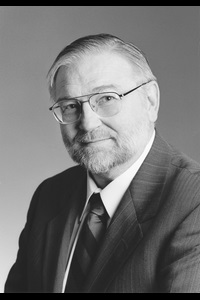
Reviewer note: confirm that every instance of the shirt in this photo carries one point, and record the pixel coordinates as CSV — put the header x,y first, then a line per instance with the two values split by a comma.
x,y
111,196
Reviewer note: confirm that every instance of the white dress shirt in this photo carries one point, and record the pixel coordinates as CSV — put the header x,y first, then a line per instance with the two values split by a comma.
x,y
111,196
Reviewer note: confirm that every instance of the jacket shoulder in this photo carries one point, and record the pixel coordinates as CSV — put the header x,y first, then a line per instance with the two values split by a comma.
x,y
182,161
53,192
71,174
62,183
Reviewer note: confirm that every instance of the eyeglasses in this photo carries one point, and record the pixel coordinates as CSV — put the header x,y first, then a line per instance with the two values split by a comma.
x,y
104,104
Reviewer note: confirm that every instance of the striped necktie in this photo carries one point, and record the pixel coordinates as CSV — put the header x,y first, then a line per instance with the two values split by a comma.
x,y
90,237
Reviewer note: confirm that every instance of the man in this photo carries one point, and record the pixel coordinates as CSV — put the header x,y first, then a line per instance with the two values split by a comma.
x,y
146,234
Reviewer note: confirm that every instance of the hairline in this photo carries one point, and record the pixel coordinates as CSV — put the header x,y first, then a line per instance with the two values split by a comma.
x,y
125,50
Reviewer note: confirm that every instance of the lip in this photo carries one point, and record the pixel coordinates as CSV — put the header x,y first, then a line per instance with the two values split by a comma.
x,y
96,141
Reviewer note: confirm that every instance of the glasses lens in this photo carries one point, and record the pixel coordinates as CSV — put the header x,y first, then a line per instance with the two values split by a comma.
x,y
67,112
106,104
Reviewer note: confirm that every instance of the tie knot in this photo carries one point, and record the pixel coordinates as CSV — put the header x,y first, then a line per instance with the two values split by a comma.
x,y
97,207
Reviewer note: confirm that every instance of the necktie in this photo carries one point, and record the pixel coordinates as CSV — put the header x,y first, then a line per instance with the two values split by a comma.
x,y
86,250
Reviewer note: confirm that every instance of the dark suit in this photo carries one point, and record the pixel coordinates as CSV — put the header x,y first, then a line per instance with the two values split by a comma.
x,y
151,246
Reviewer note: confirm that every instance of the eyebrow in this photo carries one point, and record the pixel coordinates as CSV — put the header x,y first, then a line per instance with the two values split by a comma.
x,y
99,89
104,88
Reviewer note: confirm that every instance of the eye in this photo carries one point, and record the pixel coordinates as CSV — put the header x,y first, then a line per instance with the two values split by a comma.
x,y
70,107
106,99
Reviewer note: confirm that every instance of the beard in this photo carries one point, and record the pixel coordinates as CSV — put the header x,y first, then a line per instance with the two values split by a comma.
x,y
100,158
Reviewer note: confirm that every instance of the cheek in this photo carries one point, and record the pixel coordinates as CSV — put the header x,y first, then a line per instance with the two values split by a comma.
x,y
122,122
131,115
68,131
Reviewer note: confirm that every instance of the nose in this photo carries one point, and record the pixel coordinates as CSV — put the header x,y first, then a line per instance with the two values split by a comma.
x,y
89,119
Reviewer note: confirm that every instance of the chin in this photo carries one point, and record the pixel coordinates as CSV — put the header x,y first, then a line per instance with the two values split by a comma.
x,y
100,160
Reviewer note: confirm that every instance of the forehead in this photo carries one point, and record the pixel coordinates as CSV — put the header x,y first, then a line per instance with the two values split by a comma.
x,y
93,70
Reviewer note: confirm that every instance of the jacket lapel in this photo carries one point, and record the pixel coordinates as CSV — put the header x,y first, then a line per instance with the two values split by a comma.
x,y
123,234
150,183
59,231
132,218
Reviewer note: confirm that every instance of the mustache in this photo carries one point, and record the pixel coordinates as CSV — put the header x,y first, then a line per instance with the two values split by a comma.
x,y
97,134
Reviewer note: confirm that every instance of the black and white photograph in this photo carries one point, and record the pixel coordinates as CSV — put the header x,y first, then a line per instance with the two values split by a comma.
x,y
100,149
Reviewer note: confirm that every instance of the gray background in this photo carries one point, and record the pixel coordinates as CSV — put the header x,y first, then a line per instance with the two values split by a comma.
x,y
31,148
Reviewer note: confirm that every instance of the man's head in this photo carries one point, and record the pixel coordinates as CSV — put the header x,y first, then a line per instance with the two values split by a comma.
x,y
113,134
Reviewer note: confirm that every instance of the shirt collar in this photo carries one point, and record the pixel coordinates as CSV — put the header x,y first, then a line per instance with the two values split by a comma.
x,y
112,194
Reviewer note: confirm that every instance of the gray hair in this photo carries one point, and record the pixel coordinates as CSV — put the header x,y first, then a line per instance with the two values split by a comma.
x,y
97,43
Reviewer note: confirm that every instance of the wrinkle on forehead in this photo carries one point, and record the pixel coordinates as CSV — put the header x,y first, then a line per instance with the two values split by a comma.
x,y
92,72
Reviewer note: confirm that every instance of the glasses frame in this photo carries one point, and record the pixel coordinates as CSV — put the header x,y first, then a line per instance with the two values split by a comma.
x,y
88,100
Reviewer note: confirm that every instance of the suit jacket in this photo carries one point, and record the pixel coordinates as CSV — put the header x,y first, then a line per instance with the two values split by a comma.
x,y
152,244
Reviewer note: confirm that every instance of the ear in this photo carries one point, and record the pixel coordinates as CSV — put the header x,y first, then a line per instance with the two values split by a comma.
x,y
153,97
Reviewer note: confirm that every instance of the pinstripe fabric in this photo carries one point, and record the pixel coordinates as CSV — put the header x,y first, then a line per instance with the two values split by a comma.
x,y
152,244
